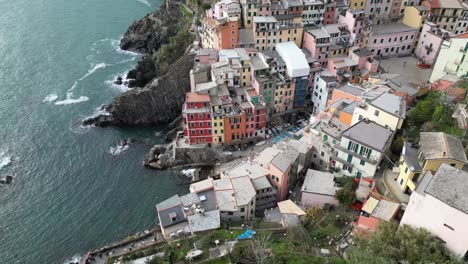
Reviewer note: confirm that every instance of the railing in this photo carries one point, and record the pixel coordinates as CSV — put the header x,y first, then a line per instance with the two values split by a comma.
x,y
354,154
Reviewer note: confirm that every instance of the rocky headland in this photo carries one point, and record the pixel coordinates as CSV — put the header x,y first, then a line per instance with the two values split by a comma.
x,y
159,90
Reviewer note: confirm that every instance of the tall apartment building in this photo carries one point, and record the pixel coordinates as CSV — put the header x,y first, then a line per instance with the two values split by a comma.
x,y
444,13
220,33
312,13
196,115
392,39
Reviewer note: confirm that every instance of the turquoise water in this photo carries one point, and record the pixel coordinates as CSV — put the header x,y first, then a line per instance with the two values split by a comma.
x,y
70,194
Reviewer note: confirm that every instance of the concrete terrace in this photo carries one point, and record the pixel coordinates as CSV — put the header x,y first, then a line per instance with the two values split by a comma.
x,y
396,65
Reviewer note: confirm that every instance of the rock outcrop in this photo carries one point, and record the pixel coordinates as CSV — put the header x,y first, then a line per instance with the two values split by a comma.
x,y
159,102
149,33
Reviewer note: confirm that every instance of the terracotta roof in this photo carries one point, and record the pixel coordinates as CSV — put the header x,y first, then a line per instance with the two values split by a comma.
x,y
194,97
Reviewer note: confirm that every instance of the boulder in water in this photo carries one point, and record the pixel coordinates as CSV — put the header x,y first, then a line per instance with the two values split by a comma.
x,y
118,81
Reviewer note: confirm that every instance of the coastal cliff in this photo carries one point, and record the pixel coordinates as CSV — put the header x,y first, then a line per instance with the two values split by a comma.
x,y
159,102
161,78
148,34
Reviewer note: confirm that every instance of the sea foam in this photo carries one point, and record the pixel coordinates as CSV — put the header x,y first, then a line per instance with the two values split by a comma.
x,y
50,98
4,160
144,2
74,259
118,149
69,99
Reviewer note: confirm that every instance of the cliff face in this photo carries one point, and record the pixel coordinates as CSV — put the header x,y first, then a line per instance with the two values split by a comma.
x,y
157,103
149,33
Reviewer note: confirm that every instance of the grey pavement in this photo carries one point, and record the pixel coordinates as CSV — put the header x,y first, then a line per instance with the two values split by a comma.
x,y
393,188
408,69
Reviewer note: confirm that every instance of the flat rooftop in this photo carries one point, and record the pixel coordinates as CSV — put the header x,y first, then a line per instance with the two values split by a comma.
x,y
392,28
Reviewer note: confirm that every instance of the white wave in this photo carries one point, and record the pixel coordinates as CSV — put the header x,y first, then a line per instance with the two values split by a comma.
x,y
50,98
116,45
118,149
74,259
158,133
4,160
144,2
70,100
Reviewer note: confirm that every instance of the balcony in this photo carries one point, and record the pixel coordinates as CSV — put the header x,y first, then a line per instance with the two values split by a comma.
x,y
354,154
340,160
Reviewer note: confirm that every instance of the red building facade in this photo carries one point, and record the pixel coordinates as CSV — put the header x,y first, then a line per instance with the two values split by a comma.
x,y
196,115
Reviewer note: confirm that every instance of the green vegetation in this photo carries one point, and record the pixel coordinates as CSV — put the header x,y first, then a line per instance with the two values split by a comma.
x,y
391,244
171,52
432,113
346,195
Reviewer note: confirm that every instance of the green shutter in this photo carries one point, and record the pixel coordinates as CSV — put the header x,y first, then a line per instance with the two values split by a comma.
x,y
369,153
350,158
349,145
362,150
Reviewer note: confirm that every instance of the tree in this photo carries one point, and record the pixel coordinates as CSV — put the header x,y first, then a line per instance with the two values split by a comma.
x,y
253,251
397,145
391,244
313,213
346,195
170,253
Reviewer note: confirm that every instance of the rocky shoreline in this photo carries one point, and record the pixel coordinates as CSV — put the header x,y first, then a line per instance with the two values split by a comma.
x,y
156,99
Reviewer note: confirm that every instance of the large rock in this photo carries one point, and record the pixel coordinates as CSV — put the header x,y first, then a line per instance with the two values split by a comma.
x,y
149,33
159,102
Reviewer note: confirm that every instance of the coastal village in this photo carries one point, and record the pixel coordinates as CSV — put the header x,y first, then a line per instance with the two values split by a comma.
x,y
327,120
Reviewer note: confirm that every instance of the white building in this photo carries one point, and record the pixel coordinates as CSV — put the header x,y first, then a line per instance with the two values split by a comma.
x,y
321,93
452,58
440,205
387,110
362,148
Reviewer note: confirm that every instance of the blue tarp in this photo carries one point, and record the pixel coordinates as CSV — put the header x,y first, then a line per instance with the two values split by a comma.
x,y
248,234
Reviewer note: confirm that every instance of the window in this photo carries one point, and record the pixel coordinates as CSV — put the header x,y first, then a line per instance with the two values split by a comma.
x,y
242,209
350,158
230,213
365,152
453,164
376,112
406,170
401,182
353,146
362,162
322,153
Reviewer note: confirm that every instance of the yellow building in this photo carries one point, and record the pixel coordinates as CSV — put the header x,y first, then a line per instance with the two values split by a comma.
x,y
284,96
414,16
357,4
435,148
268,31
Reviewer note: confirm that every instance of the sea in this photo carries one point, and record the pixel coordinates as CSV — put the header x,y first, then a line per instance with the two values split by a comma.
x,y
75,188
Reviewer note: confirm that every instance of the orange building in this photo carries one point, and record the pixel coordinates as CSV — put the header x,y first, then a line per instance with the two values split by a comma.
x,y
234,127
220,33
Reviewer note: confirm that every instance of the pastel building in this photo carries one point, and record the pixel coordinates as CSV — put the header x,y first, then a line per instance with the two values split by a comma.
x,y
270,30
392,39
378,10
330,11
430,42
224,8
318,43
318,189
357,4
387,110
452,58
282,167
312,13
434,149
220,33
196,116
415,16
362,148
359,26
297,69
439,205
444,13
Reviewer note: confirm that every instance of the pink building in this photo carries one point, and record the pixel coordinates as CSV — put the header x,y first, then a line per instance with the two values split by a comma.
x,y
429,43
395,9
264,8
329,15
357,24
318,189
207,56
224,8
365,60
344,69
393,39
318,43
440,205
282,165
